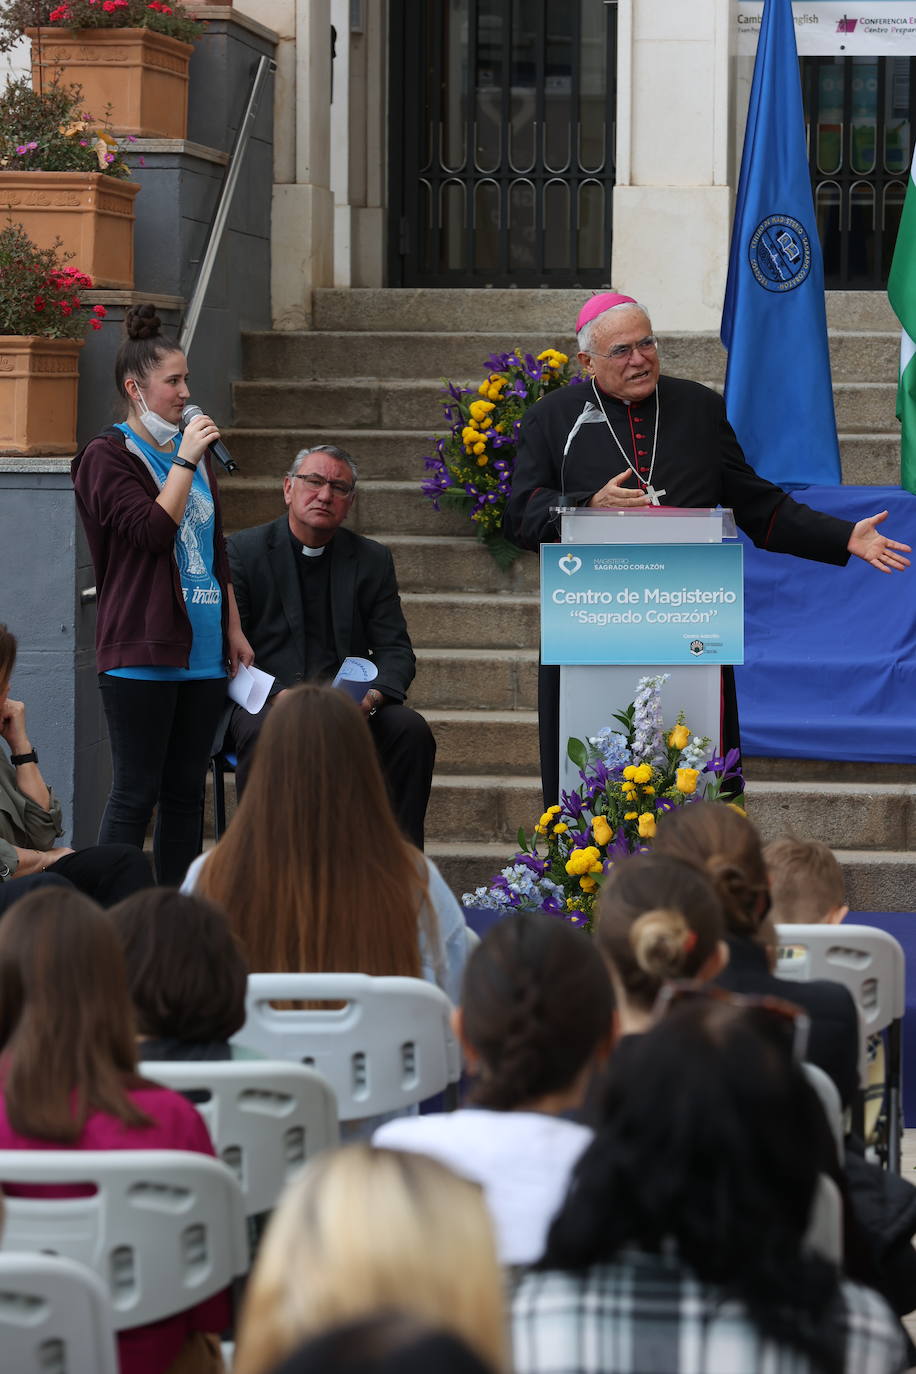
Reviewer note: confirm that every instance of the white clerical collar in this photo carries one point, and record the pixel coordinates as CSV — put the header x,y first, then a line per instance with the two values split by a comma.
x,y
313,553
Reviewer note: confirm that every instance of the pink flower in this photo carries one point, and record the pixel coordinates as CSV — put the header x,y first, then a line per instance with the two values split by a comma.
x,y
39,303
66,309
100,311
96,324
84,143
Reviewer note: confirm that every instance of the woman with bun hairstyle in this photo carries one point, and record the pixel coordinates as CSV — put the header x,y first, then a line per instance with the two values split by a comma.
x,y
658,920
724,845
168,629
535,1022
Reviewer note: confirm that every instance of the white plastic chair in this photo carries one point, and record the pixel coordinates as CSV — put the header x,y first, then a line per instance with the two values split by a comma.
x,y
265,1118
388,1048
163,1230
55,1317
872,965
830,1100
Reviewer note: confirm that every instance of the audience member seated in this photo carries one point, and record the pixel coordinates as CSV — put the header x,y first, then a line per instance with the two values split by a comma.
x,y
806,883
30,820
680,1247
657,919
360,1231
186,974
313,869
722,843
389,1343
68,1079
535,1020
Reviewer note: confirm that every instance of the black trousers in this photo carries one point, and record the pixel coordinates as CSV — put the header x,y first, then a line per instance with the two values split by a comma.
x,y
14,888
549,724
105,872
161,734
406,752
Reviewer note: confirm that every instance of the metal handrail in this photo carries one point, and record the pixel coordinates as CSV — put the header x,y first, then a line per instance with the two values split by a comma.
x,y
266,67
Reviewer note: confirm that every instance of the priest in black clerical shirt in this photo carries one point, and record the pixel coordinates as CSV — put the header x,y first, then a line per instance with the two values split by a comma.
x,y
629,437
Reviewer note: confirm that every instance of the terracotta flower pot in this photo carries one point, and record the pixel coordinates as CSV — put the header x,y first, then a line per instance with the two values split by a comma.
x,y
142,75
38,385
92,215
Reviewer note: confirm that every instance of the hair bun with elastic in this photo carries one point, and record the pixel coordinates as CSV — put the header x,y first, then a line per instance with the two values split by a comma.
x,y
142,322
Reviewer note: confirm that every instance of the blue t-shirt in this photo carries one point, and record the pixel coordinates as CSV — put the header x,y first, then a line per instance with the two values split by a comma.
x,y
194,555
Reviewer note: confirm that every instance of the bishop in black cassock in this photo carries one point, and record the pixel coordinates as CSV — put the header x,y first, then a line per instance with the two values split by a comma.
x,y
629,437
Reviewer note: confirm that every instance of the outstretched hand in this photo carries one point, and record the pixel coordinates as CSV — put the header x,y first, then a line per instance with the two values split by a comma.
x,y
615,496
882,553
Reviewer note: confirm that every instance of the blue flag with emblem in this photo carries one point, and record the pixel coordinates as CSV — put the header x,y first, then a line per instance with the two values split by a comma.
x,y
778,390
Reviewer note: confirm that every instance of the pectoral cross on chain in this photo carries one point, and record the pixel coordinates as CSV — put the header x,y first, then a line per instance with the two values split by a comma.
x,y
653,495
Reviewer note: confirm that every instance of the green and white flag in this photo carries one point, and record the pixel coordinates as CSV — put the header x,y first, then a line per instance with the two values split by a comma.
x,y
901,290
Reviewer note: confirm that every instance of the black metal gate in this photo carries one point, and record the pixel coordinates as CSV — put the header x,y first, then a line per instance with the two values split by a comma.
x,y
502,142
860,116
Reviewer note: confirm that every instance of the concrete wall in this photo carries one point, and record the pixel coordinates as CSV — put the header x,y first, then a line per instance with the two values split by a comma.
x,y
45,567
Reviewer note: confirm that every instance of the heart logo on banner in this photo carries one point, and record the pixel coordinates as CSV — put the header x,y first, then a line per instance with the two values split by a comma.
x,y
570,564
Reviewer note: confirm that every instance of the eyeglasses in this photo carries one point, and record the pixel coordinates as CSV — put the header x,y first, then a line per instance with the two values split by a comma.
x,y
621,351
315,482
790,1024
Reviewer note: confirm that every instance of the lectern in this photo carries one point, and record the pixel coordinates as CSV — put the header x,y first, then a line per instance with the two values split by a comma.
x,y
630,594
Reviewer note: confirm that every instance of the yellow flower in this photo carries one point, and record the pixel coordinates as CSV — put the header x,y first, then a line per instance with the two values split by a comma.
x,y
583,861
561,828
561,358
570,903
554,810
735,807
679,737
479,410
500,429
647,825
601,830
630,815
686,780
545,818
643,773
540,830
649,791
630,772
480,447
483,388
482,461
587,884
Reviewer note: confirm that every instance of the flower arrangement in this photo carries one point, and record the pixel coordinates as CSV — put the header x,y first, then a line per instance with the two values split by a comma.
x,y
472,468
170,18
38,294
45,131
630,775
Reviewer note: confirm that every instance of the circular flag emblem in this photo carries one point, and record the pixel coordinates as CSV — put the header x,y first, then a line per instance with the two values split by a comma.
x,y
780,253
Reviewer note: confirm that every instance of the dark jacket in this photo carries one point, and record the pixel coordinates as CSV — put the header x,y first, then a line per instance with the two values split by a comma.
x,y
366,616
833,1043
141,618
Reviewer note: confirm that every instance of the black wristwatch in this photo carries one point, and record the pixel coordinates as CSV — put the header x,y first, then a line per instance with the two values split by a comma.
x,y
17,759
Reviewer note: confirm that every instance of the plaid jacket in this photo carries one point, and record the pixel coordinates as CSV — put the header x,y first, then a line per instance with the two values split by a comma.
x,y
645,1314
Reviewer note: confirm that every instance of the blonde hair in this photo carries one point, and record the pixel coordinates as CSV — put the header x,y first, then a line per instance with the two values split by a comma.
x,y
806,881
662,943
360,1230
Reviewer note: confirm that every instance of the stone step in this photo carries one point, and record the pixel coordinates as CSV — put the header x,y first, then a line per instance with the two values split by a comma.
x,y
840,771
397,455
875,815
874,881
462,356
440,620
484,806
371,403
459,564
503,742
386,308
381,508
475,679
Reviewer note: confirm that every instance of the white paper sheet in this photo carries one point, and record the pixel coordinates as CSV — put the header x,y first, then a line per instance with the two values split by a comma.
x,y
250,688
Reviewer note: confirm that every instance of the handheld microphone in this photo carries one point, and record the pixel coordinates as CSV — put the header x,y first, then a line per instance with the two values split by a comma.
x,y
216,450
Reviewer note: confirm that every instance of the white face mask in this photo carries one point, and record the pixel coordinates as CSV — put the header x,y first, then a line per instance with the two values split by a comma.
x,y
160,431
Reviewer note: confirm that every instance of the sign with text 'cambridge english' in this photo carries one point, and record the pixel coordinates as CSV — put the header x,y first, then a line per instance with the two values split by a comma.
x,y
642,603
879,28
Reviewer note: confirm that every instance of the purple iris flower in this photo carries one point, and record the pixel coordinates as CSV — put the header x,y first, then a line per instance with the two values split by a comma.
x,y
572,804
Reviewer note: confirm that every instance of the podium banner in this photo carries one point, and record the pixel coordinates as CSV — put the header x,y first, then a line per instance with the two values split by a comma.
x,y
642,604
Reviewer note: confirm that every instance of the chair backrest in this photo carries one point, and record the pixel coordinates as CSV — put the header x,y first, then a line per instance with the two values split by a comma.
x,y
389,1047
265,1118
163,1229
824,1235
830,1099
55,1317
870,963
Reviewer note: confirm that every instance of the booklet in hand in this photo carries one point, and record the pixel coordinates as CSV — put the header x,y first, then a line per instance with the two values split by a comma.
x,y
356,676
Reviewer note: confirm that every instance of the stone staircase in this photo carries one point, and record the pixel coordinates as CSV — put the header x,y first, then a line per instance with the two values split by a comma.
x,y
368,377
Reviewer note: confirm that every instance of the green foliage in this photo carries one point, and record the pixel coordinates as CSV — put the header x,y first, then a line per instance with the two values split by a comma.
x,y
47,131
160,16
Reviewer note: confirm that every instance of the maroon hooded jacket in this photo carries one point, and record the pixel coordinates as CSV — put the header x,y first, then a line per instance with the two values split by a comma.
x,y
142,619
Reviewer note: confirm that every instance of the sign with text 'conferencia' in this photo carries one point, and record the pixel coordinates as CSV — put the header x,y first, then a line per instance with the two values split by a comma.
x,y
642,604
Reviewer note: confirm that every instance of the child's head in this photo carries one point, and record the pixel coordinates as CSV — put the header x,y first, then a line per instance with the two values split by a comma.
x,y
806,882
536,1011
658,919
